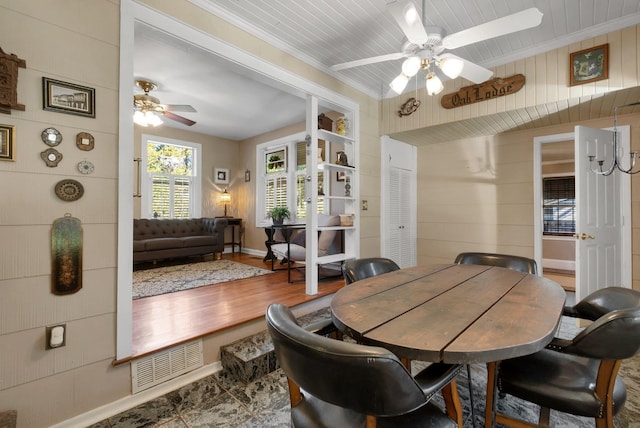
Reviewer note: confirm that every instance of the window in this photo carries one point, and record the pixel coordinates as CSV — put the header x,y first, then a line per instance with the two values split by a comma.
x,y
170,178
282,184
559,205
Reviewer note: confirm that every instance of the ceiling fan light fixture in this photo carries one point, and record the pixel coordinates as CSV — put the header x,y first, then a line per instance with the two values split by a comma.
x,y
146,118
410,14
153,119
434,85
411,66
139,118
399,83
452,67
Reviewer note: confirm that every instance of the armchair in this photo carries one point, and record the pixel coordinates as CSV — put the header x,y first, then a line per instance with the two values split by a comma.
x,y
339,384
577,376
601,302
329,242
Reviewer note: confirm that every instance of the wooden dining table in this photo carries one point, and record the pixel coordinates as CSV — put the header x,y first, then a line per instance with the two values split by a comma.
x,y
451,313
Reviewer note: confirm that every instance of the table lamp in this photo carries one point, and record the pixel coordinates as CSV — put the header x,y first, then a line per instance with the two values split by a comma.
x,y
225,198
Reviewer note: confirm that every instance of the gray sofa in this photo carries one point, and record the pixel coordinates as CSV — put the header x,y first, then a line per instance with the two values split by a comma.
x,y
157,239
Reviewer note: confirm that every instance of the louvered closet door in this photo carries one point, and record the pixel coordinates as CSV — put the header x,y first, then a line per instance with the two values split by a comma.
x,y
400,244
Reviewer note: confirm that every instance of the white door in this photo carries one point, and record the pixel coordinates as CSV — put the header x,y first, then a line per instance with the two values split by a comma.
x,y
401,248
398,222
599,216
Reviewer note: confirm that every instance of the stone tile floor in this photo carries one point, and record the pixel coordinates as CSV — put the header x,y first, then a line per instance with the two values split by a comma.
x,y
221,401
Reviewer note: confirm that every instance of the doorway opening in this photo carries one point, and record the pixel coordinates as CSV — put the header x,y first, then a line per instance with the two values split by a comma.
x,y
624,190
558,212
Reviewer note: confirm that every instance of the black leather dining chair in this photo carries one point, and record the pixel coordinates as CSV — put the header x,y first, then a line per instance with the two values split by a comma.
x,y
577,376
522,264
358,269
602,301
339,384
519,263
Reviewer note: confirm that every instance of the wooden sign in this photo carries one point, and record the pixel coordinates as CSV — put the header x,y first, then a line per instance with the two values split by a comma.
x,y
494,88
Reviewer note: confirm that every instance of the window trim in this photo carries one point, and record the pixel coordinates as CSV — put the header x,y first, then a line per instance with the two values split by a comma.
x,y
195,206
262,149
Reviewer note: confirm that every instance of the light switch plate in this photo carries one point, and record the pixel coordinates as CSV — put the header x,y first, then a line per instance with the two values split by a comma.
x,y
49,333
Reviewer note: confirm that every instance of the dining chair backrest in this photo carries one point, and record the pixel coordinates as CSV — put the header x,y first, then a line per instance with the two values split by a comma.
x,y
366,379
613,336
522,264
603,301
359,269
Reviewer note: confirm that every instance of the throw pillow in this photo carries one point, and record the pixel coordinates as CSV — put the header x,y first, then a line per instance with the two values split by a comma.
x,y
327,238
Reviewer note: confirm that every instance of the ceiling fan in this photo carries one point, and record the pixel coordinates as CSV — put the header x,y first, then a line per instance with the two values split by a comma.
x,y
147,109
425,46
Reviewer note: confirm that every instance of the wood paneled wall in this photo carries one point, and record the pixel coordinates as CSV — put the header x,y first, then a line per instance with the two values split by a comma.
x,y
546,92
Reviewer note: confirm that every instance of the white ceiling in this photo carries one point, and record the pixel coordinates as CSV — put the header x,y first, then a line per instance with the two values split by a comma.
x,y
235,104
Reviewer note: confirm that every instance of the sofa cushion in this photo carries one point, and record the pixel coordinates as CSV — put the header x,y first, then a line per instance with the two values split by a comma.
x,y
138,246
163,243
200,241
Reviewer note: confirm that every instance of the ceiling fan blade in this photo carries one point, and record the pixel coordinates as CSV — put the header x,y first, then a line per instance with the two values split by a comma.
x,y
471,71
179,107
365,61
407,17
498,27
177,118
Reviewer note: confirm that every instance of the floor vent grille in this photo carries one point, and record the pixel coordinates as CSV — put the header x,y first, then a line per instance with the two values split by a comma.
x,y
160,367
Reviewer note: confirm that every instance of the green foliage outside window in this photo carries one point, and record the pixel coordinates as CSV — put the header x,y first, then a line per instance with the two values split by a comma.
x,y
170,168
169,159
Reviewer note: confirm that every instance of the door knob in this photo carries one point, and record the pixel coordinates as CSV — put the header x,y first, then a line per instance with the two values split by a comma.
x,y
585,236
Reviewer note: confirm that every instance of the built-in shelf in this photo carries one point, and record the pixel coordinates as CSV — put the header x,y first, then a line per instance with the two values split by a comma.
x,y
332,161
335,167
337,138
333,258
344,198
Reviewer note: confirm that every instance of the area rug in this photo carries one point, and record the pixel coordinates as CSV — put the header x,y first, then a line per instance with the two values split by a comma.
x,y
169,279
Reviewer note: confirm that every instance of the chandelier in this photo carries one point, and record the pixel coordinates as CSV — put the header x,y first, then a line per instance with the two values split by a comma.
x,y
615,162
451,67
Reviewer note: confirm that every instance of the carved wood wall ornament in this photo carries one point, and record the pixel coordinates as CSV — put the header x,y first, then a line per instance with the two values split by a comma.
x,y
494,88
409,107
9,64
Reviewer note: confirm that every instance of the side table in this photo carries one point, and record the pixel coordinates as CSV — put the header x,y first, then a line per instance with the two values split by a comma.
x,y
234,223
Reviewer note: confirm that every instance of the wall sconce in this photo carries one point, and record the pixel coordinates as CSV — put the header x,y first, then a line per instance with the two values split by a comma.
x,y
225,198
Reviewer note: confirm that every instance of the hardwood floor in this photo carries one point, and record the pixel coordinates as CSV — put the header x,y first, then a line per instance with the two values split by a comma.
x,y
167,320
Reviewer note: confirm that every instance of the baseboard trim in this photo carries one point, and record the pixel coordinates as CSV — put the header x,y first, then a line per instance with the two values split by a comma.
x,y
569,265
251,251
108,410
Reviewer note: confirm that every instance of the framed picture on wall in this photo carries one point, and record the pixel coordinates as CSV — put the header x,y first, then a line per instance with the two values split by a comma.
x,y
7,142
589,65
221,176
68,98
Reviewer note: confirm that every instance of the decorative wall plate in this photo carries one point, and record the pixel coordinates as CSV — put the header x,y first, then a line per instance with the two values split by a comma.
x,y
85,167
51,157
51,137
69,190
85,141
